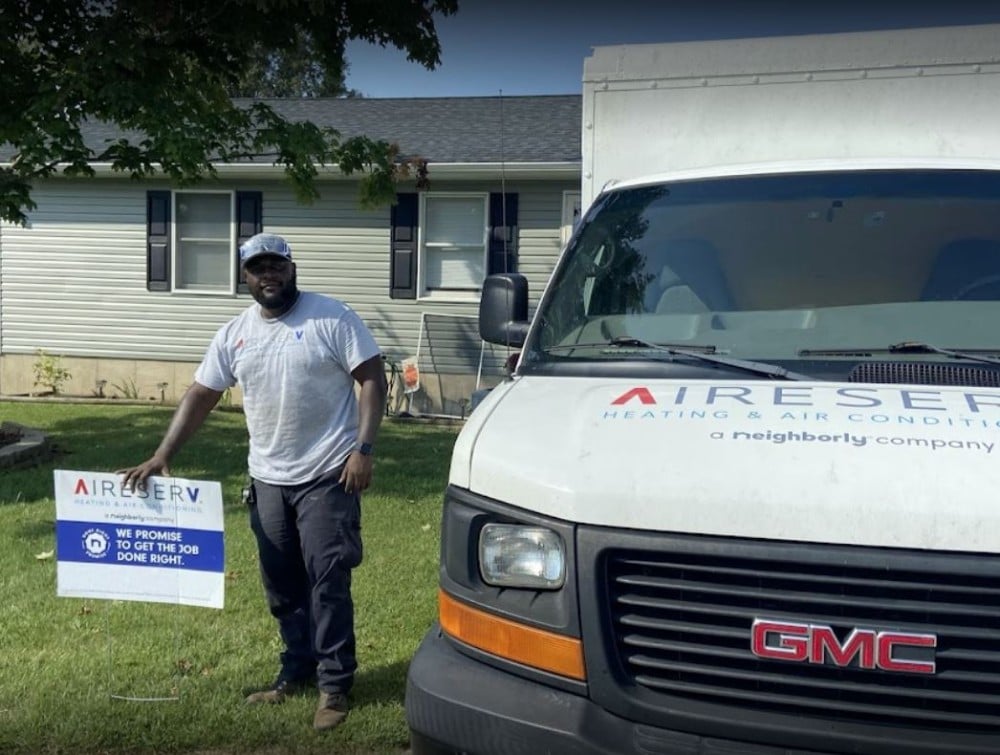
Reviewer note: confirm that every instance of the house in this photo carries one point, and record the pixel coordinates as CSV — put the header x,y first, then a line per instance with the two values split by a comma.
x,y
127,281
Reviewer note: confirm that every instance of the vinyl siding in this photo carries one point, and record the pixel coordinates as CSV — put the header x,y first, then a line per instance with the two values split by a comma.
x,y
73,281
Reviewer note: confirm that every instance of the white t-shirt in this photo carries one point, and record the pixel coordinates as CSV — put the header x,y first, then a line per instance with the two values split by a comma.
x,y
298,393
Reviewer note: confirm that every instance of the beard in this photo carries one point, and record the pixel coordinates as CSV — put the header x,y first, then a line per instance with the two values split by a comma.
x,y
279,301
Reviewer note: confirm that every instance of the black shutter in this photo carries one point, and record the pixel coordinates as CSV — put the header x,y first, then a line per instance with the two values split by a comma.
x,y
503,233
403,247
158,240
249,222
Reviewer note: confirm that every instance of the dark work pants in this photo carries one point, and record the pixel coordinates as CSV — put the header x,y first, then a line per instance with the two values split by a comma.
x,y
308,540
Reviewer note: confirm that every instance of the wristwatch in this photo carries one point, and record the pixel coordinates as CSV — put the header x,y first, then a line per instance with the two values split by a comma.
x,y
365,449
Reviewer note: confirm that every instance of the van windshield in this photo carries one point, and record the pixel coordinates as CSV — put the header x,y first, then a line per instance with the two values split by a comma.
x,y
821,268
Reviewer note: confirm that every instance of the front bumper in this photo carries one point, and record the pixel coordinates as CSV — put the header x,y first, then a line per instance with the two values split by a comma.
x,y
455,704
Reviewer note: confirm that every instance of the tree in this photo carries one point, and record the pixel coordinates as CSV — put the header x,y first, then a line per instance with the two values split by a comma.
x,y
161,72
294,72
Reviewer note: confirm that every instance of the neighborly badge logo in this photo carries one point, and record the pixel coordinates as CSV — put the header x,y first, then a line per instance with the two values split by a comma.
x,y
96,542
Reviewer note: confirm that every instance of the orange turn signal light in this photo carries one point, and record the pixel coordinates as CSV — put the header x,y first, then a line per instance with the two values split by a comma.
x,y
508,639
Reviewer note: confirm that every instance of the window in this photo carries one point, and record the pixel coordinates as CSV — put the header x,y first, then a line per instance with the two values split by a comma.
x,y
203,237
444,244
454,243
192,239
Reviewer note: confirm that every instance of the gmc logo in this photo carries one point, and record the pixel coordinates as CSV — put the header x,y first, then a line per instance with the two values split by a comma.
x,y
862,648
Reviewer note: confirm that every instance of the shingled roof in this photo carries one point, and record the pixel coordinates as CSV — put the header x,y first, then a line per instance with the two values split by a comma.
x,y
455,129
525,129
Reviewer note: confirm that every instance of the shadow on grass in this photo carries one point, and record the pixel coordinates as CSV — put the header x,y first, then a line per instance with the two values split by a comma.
x,y
35,529
405,451
103,438
106,438
383,685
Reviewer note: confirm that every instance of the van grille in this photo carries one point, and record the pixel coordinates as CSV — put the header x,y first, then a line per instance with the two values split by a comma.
x,y
682,624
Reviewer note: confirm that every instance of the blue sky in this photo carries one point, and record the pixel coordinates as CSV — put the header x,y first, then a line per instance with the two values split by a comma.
x,y
538,46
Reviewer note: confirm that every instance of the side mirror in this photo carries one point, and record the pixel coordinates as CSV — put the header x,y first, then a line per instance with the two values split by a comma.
x,y
503,309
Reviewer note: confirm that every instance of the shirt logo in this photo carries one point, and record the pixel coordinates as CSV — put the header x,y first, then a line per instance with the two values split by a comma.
x,y
298,335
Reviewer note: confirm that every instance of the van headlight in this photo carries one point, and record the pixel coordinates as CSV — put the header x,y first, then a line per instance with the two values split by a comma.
x,y
513,555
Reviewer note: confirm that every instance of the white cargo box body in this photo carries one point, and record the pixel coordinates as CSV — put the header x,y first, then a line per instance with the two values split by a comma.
x,y
668,107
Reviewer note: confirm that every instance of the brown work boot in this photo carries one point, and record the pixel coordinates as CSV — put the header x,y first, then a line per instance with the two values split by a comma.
x,y
278,691
331,711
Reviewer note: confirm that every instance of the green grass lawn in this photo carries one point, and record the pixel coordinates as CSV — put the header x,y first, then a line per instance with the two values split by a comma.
x,y
63,660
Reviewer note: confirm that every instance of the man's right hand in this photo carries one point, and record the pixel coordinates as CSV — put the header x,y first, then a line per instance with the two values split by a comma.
x,y
135,477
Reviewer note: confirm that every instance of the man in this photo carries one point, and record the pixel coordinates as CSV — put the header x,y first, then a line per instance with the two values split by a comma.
x,y
297,356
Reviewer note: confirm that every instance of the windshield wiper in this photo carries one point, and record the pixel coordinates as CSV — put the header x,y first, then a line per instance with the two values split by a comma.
x,y
905,347
700,353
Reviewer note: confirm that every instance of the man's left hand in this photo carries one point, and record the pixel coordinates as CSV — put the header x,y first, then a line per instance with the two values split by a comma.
x,y
357,473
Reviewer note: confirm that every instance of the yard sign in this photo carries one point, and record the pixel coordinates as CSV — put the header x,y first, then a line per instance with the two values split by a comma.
x,y
163,544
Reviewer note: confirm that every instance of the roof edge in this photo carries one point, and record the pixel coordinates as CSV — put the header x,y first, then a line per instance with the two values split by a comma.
x,y
490,170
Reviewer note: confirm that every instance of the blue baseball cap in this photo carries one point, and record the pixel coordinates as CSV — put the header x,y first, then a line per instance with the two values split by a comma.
x,y
264,244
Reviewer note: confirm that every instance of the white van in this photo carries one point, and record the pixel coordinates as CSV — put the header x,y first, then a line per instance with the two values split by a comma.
x,y
737,496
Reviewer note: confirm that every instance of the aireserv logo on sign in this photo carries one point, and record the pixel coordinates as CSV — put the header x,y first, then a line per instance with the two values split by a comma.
x,y
157,502
156,491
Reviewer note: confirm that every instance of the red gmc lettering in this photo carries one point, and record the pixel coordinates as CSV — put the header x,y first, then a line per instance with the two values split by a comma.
x,y
860,642
789,642
869,649
889,641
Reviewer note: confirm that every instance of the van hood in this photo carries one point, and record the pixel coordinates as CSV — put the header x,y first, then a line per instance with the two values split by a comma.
x,y
882,465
